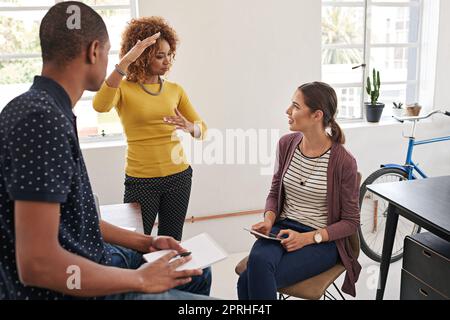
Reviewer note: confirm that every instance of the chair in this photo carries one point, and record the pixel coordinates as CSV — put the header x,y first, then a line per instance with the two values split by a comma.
x,y
316,287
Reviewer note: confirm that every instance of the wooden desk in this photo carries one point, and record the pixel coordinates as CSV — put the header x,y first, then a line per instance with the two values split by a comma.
x,y
123,215
425,202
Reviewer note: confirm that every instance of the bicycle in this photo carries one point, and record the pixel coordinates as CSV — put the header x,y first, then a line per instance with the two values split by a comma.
x,y
374,208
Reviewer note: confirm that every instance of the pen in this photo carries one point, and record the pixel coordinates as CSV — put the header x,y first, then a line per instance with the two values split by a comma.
x,y
183,254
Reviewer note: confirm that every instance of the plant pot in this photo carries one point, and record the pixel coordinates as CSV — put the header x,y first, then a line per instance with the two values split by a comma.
x,y
413,110
397,112
373,111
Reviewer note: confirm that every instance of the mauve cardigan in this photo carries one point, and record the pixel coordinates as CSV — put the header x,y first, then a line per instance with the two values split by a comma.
x,y
342,199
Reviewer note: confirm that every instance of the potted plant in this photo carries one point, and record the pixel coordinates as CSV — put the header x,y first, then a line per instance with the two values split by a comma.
x,y
397,109
374,109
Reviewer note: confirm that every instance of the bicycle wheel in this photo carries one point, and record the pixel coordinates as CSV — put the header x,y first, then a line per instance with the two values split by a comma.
x,y
374,214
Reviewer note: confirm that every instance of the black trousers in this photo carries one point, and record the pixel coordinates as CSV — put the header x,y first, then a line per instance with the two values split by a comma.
x,y
165,197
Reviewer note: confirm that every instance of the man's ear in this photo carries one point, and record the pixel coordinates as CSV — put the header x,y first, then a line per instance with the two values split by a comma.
x,y
93,52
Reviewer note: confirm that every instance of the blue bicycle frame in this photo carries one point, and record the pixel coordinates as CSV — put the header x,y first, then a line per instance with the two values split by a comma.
x,y
409,165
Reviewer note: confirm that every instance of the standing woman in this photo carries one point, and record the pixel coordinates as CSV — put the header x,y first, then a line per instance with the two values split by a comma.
x,y
312,204
150,108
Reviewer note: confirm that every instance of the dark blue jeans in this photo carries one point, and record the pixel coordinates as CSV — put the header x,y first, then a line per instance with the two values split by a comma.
x,y
197,289
271,267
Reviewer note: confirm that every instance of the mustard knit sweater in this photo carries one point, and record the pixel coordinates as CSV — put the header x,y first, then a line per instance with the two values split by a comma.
x,y
154,150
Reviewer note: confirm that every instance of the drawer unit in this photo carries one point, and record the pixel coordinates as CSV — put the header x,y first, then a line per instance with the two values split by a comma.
x,y
426,267
414,289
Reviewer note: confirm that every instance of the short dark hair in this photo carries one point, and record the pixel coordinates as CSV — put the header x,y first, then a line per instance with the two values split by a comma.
x,y
61,43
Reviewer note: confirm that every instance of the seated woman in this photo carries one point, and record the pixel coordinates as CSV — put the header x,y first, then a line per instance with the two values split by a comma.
x,y
312,204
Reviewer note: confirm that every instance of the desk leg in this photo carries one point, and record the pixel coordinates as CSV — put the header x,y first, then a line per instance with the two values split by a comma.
x,y
388,242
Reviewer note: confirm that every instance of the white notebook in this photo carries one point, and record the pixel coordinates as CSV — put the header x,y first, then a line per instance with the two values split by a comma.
x,y
205,252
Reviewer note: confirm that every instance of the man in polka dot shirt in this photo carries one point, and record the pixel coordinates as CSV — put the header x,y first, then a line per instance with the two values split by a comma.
x,y
52,244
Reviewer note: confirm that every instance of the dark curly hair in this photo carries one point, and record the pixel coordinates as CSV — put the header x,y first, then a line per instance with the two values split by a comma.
x,y
139,29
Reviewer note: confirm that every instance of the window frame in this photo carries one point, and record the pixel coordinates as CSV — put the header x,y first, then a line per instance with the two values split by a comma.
x,y
367,47
132,6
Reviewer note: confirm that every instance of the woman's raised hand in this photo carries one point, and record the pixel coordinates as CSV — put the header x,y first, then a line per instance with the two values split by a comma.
x,y
115,78
139,48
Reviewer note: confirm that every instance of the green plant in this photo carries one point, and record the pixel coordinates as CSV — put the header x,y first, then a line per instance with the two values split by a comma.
x,y
373,87
397,105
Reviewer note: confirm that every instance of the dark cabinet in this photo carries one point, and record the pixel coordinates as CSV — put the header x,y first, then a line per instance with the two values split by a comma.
x,y
426,268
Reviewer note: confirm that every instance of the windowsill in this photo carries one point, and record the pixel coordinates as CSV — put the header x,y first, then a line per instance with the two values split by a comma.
x,y
362,123
99,142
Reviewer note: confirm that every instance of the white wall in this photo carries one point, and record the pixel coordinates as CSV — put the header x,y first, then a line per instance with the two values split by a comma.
x,y
240,62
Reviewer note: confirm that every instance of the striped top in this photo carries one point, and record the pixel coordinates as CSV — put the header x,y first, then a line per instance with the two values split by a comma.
x,y
306,203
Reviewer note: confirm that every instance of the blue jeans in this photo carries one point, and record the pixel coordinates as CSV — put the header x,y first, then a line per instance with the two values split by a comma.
x,y
197,289
271,267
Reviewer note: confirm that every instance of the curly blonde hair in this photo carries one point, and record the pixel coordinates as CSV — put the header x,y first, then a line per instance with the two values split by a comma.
x,y
139,29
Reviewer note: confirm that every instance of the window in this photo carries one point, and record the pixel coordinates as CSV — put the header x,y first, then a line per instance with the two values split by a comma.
x,y
385,35
20,57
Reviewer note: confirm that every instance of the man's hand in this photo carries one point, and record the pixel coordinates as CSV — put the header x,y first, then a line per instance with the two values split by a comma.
x,y
161,275
163,243
295,240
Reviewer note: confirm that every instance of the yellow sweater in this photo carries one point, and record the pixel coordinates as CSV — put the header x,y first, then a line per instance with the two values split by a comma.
x,y
153,148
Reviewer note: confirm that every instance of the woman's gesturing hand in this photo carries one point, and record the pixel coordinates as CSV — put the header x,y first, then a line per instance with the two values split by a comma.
x,y
180,122
139,48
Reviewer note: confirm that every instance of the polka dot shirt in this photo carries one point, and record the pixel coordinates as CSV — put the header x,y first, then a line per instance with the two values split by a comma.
x,y
40,160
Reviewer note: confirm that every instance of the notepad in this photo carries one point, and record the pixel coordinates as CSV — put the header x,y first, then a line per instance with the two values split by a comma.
x,y
205,252
262,235
128,228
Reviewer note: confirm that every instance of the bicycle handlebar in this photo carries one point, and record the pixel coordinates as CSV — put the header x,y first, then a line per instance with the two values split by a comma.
x,y
403,119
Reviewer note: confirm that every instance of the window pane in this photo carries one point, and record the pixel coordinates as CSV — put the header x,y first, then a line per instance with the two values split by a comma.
x,y
106,2
356,1
19,70
17,77
10,91
26,3
395,64
395,24
337,65
342,25
89,121
404,93
402,1
92,123
19,31
116,21
349,102
49,3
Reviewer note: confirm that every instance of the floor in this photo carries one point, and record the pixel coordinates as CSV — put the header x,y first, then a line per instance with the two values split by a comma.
x,y
225,279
